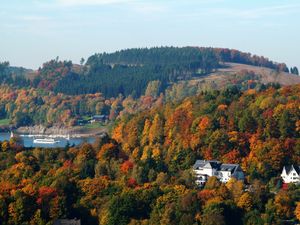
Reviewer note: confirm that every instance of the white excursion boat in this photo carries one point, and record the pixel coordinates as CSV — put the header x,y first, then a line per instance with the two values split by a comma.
x,y
45,141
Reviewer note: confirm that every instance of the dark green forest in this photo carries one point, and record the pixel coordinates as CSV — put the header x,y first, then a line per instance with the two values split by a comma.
x,y
128,72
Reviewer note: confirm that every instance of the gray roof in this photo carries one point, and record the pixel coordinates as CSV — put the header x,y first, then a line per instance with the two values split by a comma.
x,y
199,163
207,163
229,167
216,165
289,168
99,117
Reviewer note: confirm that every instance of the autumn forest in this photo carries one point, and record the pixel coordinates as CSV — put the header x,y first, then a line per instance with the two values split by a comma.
x,y
165,111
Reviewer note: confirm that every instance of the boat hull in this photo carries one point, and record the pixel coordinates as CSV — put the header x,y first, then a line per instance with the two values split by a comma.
x,y
45,141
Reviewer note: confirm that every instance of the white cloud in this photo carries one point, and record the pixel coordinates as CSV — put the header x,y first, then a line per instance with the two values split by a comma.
x,y
245,13
91,2
138,6
269,11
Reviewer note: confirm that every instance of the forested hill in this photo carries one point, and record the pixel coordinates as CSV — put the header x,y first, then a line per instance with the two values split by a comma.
x,y
13,75
258,129
128,72
190,57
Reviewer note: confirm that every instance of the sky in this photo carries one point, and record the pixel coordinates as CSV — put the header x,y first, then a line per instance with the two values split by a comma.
x,y
36,31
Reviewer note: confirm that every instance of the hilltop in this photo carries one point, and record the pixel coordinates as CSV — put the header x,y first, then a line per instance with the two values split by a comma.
x,y
127,82
267,75
226,75
128,72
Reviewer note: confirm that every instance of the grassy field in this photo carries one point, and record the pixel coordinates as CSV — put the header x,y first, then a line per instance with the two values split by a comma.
x,y
104,127
4,122
93,125
86,117
92,129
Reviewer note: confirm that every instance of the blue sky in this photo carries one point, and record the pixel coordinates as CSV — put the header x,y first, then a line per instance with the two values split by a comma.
x,y
35,31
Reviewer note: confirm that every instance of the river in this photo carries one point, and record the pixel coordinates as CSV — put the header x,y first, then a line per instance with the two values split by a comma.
x,y
61,142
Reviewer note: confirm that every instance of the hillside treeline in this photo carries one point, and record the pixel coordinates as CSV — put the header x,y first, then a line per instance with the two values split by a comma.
x,y
259,130
142,174
128,72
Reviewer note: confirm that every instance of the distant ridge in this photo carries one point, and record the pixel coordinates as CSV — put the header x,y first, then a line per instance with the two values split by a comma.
x,y
128,72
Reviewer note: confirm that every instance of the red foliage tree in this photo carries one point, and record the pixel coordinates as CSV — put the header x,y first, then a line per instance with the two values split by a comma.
x,y
126,166
131,182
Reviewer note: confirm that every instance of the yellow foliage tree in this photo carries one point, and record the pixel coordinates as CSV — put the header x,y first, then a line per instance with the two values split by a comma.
x,y
5,146
245,202
146,153
156,130
297,211
212,183
235,187
145,134
283,204
117,133
156,153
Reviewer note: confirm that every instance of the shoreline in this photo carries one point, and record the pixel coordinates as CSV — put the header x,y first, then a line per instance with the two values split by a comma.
x,y
60,132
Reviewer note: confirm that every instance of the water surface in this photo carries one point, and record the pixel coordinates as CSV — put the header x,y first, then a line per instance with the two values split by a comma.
x,y
28,141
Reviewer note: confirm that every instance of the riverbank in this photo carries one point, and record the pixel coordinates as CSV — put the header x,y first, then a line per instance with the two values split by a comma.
x,y
60,131
5,128
58,142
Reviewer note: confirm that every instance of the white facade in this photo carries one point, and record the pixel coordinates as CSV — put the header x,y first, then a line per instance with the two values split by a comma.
x,y
224,172
291,174
224,176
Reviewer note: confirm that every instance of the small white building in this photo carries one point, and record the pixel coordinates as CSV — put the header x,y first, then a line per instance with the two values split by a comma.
x,y
224,172
291,174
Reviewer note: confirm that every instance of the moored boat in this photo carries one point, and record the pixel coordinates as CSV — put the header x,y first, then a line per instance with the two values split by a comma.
x,y
45,141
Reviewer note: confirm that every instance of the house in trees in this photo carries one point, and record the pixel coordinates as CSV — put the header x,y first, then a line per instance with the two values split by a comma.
x,y
99,118
224,172
81,122
291,174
